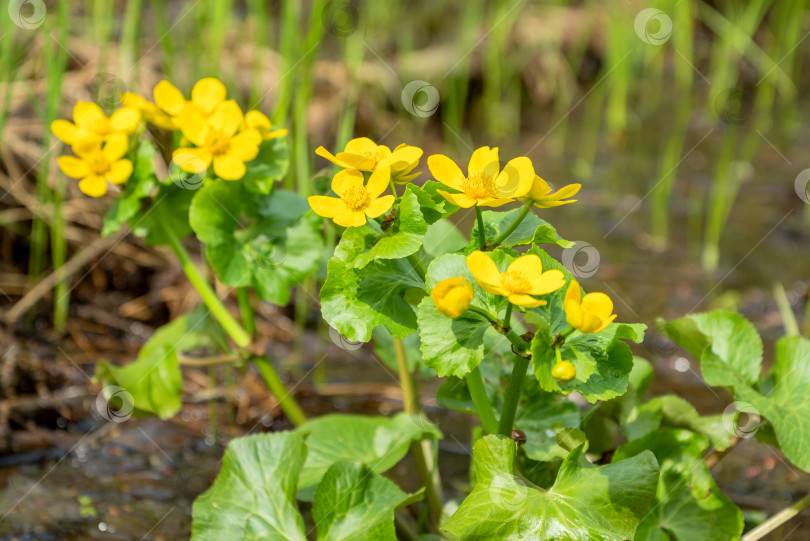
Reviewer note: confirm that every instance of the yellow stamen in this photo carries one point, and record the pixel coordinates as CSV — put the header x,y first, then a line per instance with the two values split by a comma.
x,y
355,197
98,164
219,144
373,156
478,186
515,282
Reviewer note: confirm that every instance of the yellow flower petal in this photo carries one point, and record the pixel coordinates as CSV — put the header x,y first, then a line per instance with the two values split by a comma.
x,y
404,179
87,115
540,188
125,119
94,186
245,145
598,304
446,171
452,296
380,206
119,171
526,301
72,166
351,218
529,265
346,178
323,153
484,269
64,130
192,160
86,146
115,147
493,202
379,181
328,207
516,178
549,281
229,167
484,160
459,199
354,161
169,98
404,159
226,118
207,94
360,146
193,126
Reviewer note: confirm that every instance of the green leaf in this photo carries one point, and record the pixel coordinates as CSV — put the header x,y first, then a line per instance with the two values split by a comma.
x,y
454,346
154,380
384,348
443,237
354,504
253,496
688,504
532,230
171,203
354,301
137,188
445,207
727,344
270,242
542,420
378,442
269,166
402,238
586,502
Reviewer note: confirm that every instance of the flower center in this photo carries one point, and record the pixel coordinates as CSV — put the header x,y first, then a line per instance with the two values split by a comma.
x,y
515,282
98,164
355,197
478,185
374,157
218,143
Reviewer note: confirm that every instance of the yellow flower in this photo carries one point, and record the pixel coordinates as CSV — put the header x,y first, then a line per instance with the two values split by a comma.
x,y
257,120
523,278
485,184
355,201
205,96
564,371
588,314
540,194
96,165
364,154
216,140
90,122
452,296
149,110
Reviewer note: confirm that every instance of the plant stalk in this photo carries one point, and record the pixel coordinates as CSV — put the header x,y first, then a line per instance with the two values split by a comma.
x,y
211,300
422,450
245,308
509,230
512,398
482,238
475,383
777,520
279,390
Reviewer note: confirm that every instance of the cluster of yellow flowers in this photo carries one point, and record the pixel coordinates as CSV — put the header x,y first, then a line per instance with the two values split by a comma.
x,y
485,185
214,129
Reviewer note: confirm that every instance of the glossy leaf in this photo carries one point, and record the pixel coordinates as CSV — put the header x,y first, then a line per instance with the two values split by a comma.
x,y
137,188
532,230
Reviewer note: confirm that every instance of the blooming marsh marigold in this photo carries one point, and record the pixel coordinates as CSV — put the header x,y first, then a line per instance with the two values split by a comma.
x,y
90,122
216,141
206,95
523,278
363,154
542,197
452,296
355,201
96,164
588,314
486,184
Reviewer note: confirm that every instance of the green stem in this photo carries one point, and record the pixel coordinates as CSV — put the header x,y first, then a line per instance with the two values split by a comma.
x,y
393,186
509,230
285,399
507,318
422,450
482,238
521,345
245,308
417,265
475,383
777,520
231,326
512,398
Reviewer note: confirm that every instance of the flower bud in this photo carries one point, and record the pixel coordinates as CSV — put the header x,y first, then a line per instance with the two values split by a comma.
x,y
452,296
564,371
